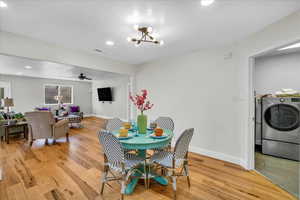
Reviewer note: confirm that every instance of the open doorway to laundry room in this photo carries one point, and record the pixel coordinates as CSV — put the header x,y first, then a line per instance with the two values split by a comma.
x,y
276,83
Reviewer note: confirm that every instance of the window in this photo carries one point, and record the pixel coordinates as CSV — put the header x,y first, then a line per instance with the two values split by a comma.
x,y
58,90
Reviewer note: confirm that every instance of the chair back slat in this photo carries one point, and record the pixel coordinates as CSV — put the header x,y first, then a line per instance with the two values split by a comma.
x,y
182,144
114,124
111,147
165,123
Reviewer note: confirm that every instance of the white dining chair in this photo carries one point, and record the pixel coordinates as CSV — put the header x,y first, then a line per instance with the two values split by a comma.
x,y
170,161
117,161
114,124
164,123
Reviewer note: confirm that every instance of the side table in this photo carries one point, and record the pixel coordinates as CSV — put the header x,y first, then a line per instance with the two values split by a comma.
x,y
18,124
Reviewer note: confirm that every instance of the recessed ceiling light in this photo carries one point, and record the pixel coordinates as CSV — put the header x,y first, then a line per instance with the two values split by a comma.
x,y
28,67
161,42
109,43
19,73
3,4
149,29
293,46
207,2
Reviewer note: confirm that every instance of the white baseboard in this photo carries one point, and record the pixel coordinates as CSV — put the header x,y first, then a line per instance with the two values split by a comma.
x,y
219,156
101,116
105,117
88,115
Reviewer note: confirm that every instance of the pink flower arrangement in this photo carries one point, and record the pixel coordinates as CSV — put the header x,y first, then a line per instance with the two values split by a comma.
x,y
140,101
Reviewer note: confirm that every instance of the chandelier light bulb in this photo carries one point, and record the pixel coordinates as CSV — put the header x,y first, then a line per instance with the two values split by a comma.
x,y
3,4
161,43
129,39
207,2
149,29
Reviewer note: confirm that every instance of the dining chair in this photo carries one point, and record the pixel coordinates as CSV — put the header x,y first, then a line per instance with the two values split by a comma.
x,y
164,123
116,160
114,124
171,161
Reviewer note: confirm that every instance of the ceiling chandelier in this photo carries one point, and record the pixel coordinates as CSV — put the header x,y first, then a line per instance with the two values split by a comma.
x,y
145,36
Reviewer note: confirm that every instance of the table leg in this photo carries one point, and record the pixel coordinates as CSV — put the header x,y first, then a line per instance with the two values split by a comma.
x,y
26,132
132,184
158,178
7,135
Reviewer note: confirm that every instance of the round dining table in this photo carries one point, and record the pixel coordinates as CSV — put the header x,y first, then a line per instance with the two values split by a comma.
x,y
142,143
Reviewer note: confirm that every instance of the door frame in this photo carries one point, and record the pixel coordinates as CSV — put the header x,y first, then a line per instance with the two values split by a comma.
x,y
250,138
7,89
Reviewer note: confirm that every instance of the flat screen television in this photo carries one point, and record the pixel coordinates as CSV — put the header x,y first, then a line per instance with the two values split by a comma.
x,y
104,94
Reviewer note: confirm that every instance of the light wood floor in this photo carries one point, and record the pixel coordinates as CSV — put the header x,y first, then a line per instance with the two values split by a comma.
x,y
72,171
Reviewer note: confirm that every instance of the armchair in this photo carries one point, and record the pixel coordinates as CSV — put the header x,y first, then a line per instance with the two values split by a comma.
x,y
42,125
75,110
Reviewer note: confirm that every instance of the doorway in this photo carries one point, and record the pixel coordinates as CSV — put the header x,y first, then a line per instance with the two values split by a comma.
x,y
4,92
276,89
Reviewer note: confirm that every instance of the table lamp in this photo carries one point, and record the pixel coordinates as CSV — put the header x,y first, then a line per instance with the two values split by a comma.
x,y
8,102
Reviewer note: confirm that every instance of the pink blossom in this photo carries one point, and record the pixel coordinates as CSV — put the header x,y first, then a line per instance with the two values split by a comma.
x,y
140,101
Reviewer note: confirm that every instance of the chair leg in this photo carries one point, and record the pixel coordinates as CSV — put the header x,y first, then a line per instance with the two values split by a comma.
x,y
30,143
103,179
67,137
123,187
46,141
54,141
174,186
186,171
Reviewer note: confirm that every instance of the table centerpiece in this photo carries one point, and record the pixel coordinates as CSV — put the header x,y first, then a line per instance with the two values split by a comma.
x,y
142,104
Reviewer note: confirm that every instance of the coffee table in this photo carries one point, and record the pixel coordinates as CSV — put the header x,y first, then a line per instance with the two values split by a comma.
x,y
73,119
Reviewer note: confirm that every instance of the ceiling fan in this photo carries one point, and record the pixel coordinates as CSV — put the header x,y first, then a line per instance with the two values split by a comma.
x,y
83,77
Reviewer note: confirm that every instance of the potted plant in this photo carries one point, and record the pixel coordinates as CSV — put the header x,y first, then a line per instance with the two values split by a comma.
x,y
141,102
19,117
1,118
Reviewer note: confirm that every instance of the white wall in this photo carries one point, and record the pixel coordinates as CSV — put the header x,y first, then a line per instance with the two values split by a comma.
x,y
205,91
272,73
117,108
197,91
28,92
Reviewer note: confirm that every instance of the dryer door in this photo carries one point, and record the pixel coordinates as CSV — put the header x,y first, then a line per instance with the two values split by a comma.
x,y
285,120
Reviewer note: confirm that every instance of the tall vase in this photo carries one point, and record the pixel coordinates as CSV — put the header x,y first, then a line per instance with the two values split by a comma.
x,y
142,123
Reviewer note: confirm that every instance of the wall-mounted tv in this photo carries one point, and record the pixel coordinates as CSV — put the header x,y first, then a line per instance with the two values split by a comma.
x,y
105,94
